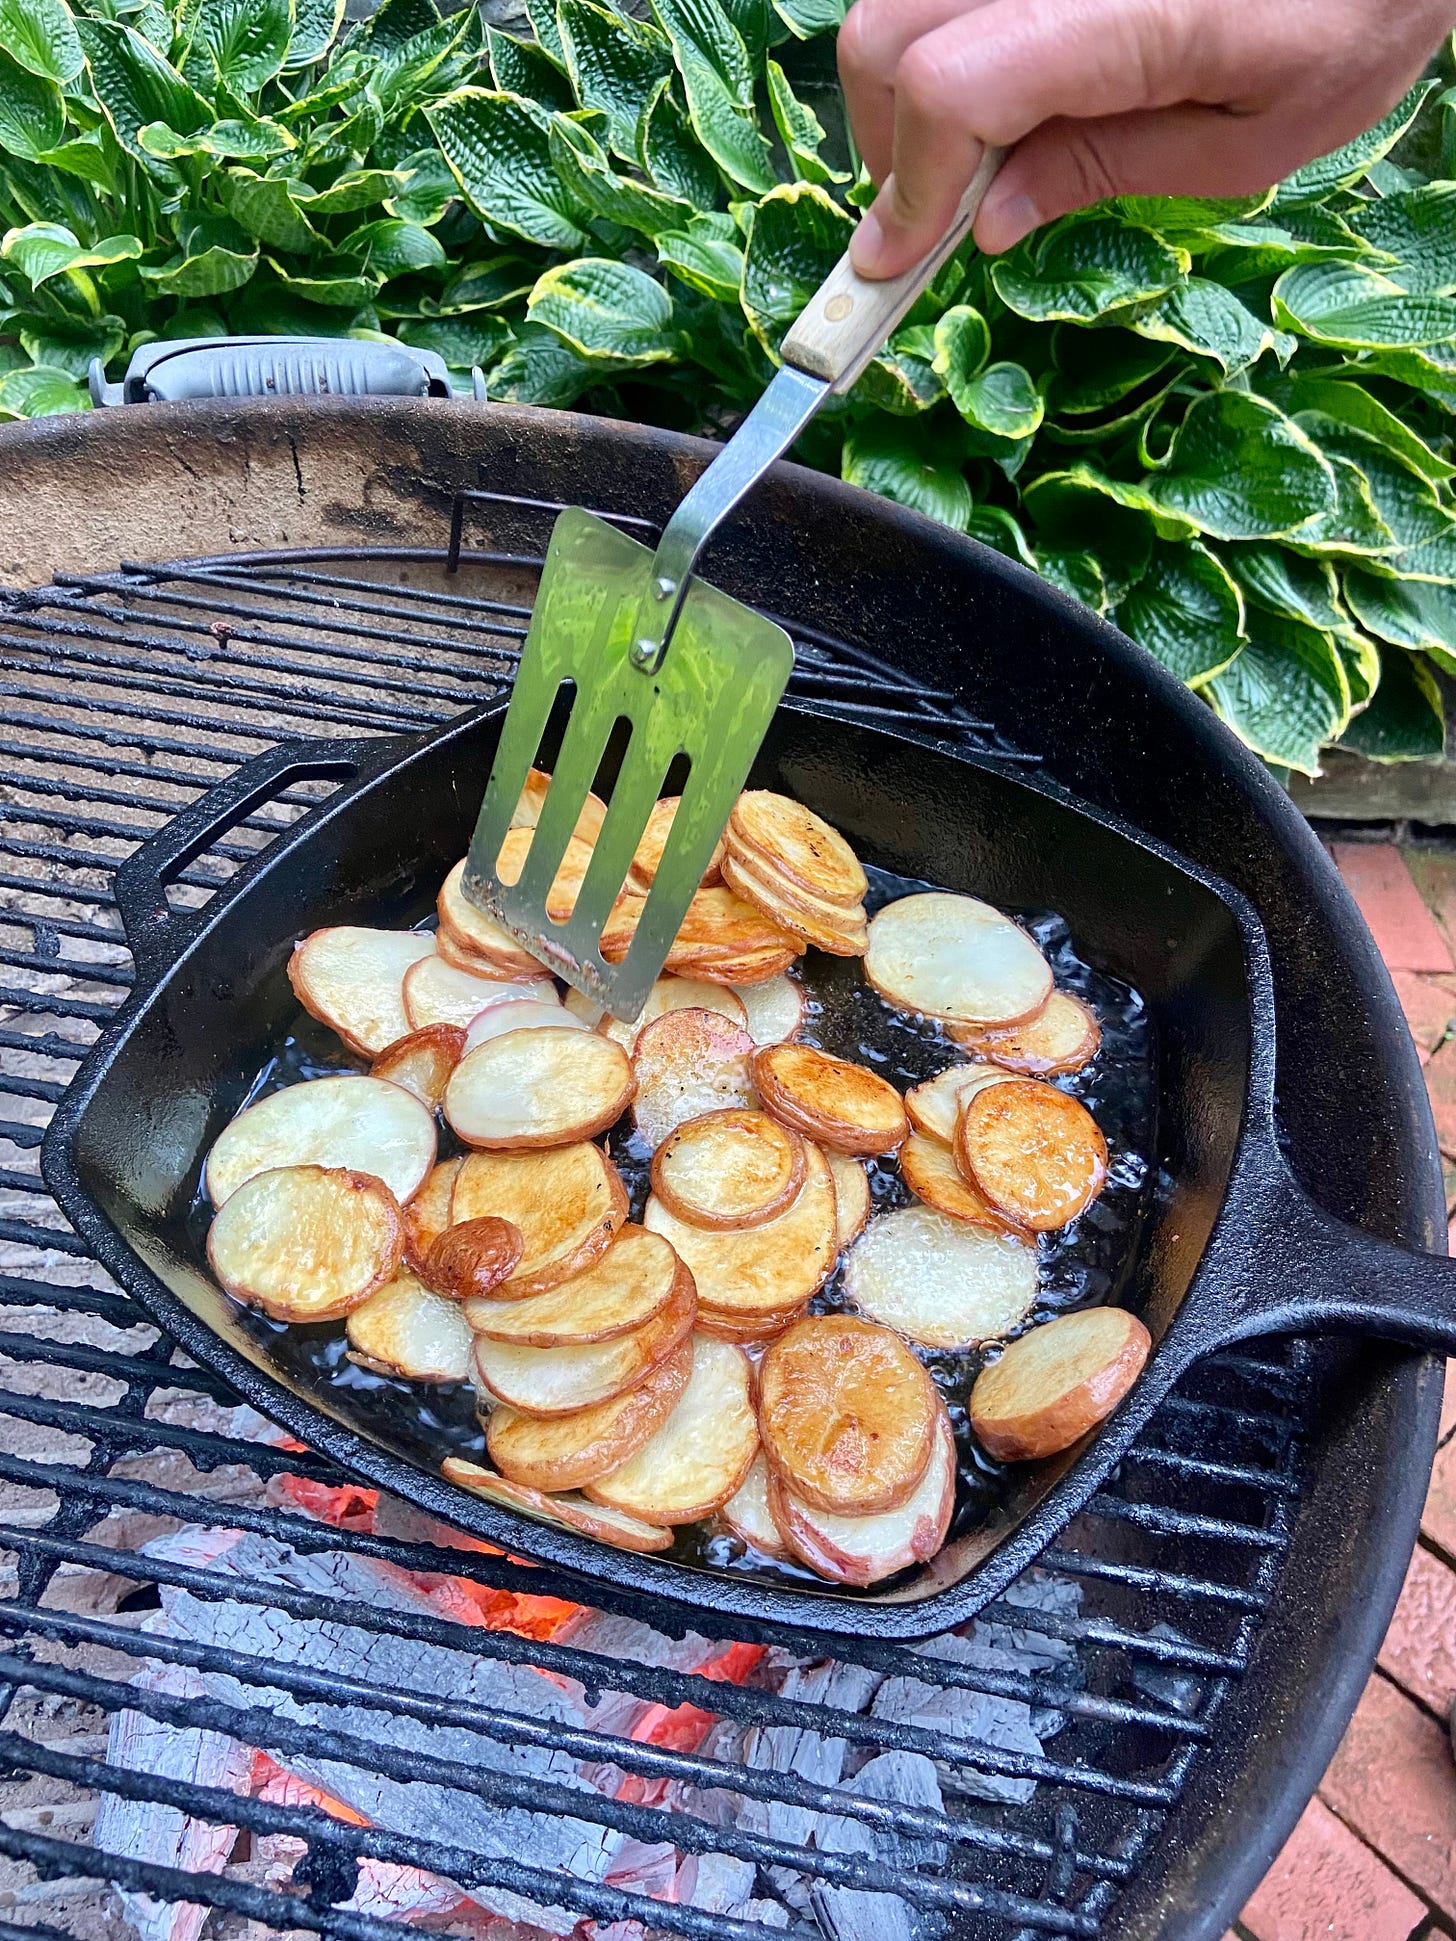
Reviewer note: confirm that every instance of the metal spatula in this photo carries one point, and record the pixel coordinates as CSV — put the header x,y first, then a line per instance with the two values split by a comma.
x,y
692,672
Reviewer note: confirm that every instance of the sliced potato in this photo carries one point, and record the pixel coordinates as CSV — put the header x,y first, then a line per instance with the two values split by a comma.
x,y
1037,1155
748,1330
567,1512
634,1280
935,1105
428,1213
521,1014
931,1173
667,994
364,1125
745,968
436,993
654,841
513,966
747,1514
567,1203
843,934
527,812
851,1196
570,871
1062,1037
864,1550
939,1281
687,1063
735,1168
306,1243
406,1331
565,1451
955,957
578,1375
353,980
702,1452
479,935
775,1009
470,1259
800,844
847,1414
422,1061
1056,1382
763,1270
834,1102
548,1087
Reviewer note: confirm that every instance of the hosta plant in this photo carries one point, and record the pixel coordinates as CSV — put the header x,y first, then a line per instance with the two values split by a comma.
x,y
1226,425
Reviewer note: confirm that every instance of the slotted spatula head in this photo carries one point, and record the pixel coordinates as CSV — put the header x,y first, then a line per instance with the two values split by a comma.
x,y
711,700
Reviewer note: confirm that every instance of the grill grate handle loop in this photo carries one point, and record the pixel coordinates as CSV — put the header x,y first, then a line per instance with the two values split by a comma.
x,y
269,367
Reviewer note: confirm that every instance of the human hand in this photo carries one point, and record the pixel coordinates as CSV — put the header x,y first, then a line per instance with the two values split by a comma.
x,y
1106,97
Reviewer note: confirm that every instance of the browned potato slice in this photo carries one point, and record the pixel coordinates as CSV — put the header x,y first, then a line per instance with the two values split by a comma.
x,y
404,1330
527,812
353,981
634,1280
722,924
1056,1382
687,1063
654,841
775,1009
955,957
422,1061
667,994
843,934
864,1550
1062,1037
428,1213
1036,1154
547,1087
747,1514
570,872
835,1102
743,969
504,966
567,1203
364,1125
935,1106
567,1512
851,1196
436,993
939,1281
578,1375
800,844
847,1414
306,1243
728,1169
521,1014
763,1270
478,936
565,1451
747,1330
467,1261
932,1175
702,1452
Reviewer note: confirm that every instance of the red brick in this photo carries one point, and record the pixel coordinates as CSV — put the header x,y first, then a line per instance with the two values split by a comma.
x,y
1441,1085
1434,871
1438,1518
1405,932
1429,1004
1329,1886
1420,1648
1448,1393
1393,1781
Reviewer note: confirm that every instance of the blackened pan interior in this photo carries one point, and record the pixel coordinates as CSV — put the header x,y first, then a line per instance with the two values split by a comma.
x,y
377,855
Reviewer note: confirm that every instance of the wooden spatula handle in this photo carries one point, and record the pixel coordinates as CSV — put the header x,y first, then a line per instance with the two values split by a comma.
x,y
848,318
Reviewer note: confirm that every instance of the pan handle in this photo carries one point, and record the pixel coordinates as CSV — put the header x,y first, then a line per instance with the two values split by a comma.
x,y
155,931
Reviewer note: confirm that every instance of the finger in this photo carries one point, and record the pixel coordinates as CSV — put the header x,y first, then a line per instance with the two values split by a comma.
x,y
871,43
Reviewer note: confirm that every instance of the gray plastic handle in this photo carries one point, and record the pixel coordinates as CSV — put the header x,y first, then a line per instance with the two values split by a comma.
x,y
275,367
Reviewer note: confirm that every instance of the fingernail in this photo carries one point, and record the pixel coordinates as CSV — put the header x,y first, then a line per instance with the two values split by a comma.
x,y
1004,220
867,244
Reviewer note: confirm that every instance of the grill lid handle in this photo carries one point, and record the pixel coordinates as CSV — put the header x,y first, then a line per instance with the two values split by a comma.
x,y
274,367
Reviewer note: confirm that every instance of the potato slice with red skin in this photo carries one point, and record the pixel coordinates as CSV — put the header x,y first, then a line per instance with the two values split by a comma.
x,y
479,936
834,1102
520,1014
798,844
634,1280
954,957
535,1088
578,1375
437,993
364,1125
667,994
743,969
428,1213
306,1243
1037,1154
467,1261
405,1331
556,1452
938,1281
766,1270
748,1330
654,841
735,1168
747,1516
1062,1037
935,1105
504,966
774,1008
567,1204
567,1512
527,812
1054,1383
687,1063
702,1452
570,871
930,1171
864,1550
847,1414
422,1061
851,1196
840,935
352,980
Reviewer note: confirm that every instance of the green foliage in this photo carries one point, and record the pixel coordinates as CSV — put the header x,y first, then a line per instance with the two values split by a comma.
x,y
1227,425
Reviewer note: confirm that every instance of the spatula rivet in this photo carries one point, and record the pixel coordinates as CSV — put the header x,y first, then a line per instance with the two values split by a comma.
x,y
838,308
663,587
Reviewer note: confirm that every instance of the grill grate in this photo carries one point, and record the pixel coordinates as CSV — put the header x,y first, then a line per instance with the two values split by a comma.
x,y
122,695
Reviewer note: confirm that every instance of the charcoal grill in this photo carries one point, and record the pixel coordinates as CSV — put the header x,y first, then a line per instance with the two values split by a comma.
x,y
191,586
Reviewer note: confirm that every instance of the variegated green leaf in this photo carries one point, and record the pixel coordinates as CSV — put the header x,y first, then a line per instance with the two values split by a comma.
x,y
1354,308
717,77
795,237
706,256
615,64
593,184
904,463
800,129
1404,721
41,37
1081,268
499,150
1205,318
607,310
1285,693
42,250
1187,610
540,368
